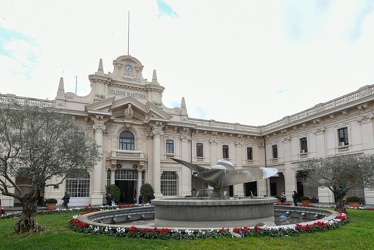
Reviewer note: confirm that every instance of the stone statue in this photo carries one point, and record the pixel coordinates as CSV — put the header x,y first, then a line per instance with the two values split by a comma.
x,y
128,112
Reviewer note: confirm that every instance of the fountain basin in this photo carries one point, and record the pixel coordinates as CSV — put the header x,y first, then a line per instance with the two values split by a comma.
x,y
214,213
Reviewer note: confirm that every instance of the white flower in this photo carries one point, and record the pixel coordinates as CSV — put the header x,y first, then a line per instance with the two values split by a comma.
x,y
189,232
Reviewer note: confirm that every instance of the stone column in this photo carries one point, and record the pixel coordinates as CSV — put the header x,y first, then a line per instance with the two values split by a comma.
x,y
320,140
139,184
112,176
185,178
157,133
213,151
239,188
289,173
366,122
98,171
290,181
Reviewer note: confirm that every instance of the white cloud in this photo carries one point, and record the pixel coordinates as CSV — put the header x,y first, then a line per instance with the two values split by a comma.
x,y
229,60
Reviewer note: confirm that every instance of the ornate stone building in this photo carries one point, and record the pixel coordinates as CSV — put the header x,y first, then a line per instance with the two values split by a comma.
x,y
138,137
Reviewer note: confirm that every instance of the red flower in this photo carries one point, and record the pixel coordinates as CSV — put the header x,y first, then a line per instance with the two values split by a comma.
x,y
82,224
320,224
132,228
257,228
164,230
341,217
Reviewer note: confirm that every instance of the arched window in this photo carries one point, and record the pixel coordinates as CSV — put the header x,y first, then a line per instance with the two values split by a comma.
x,y
126,141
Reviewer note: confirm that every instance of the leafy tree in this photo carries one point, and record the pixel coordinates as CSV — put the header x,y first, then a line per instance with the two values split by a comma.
x,y
146,190
339,174
38,144
114,191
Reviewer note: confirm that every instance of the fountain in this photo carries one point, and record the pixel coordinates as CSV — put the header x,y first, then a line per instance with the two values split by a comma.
x,y
211,209
215,210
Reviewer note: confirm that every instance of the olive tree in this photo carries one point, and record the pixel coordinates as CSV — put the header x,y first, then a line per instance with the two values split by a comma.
x,y
339,174
39,144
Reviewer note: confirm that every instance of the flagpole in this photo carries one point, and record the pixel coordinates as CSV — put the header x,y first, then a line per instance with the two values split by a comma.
x,y
128,33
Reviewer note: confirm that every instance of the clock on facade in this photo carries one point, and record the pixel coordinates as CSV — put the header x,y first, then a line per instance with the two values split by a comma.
x,y
128,68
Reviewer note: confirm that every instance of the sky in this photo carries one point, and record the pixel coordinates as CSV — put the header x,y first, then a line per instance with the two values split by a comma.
x,y
240,61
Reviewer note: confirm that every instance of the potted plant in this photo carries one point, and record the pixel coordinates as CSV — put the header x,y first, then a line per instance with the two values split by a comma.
x,y
305,200
353,201
278,197
51,203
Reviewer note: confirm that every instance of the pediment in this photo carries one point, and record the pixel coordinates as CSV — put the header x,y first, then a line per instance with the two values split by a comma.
x,y
129,108
103,107
155,113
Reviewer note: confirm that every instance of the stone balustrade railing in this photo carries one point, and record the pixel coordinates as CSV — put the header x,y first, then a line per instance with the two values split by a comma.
x,y
361,93
8,98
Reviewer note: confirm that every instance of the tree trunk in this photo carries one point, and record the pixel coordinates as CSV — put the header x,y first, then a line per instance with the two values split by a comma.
x,y
27,223
339,202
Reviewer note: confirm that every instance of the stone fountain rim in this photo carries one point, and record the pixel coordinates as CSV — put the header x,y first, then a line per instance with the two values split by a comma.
x,y
330,215
212,202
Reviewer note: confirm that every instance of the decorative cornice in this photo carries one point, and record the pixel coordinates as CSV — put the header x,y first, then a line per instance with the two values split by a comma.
x,y
365,117
319,129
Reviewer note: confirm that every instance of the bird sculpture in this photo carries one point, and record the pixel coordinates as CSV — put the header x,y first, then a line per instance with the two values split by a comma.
x,y
224,174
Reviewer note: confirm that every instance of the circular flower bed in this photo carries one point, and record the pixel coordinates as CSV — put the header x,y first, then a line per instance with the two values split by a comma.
x,y
240,232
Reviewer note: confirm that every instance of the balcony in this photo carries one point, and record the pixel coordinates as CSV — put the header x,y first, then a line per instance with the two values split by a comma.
x,y
127,155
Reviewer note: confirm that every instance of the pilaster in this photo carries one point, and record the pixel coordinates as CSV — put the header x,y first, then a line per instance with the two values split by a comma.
x,y
185,185
99,169
239,188
157,132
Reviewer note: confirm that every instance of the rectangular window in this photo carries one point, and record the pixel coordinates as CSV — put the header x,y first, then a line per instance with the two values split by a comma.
x,y
275,151
249,153
169,146
169,181
225,151
343,137
126,174
199,150
78,186
303,145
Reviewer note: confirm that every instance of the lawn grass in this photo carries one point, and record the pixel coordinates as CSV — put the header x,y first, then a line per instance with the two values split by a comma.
x,y
357,234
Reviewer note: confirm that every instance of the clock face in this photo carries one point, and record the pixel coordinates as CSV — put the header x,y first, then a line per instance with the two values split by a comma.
x,y
128,68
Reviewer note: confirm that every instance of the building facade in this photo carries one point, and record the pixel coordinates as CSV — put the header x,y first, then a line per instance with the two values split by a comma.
x,y
138,137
